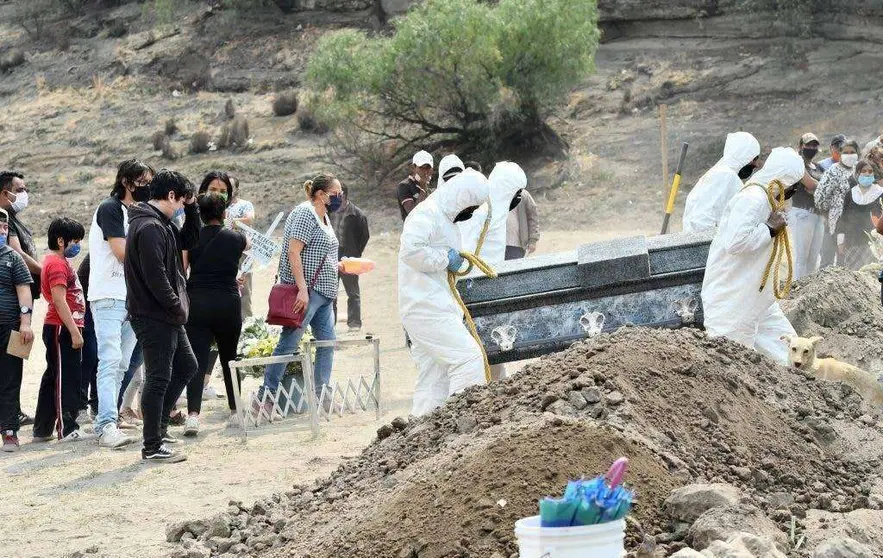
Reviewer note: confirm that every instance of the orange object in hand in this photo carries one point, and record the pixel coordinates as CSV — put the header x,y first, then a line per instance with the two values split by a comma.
x,y
357,266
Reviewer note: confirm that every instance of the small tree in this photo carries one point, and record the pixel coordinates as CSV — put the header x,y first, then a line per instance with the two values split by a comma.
x,y
458,72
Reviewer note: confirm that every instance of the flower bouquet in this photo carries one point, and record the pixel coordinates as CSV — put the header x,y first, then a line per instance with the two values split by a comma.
x,y
259,340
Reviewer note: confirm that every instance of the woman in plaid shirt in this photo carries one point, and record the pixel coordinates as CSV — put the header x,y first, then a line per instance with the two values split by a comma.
x,y
309,260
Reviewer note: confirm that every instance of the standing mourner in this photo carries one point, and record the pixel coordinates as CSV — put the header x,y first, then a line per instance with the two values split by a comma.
x,y
215,309
89,365
351,228
16,306
806,225
415,188
309,260
58,402
830,195
522,228
107,294
14,200
874,143
861,208
836,144
158,304
242,211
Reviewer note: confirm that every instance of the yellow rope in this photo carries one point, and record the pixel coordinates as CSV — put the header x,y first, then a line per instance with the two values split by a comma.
x,y
781,245
484,230
470,323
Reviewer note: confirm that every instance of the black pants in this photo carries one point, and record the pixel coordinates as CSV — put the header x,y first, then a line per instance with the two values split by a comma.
x,y
168,366
214,316
89,367
829,248
59,400
10,383
515,252
353,301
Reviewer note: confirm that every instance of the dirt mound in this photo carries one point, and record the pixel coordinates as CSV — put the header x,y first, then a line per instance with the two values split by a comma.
x,y
844,308
683,407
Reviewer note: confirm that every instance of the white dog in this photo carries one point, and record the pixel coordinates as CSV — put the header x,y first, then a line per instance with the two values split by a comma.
x,y
802,354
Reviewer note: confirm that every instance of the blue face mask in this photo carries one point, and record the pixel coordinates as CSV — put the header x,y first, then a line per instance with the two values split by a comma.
x,y
334,203
72,251
178,213
866,180
2,240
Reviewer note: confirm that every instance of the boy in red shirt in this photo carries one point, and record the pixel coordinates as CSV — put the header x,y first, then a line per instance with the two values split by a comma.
x,y
59,398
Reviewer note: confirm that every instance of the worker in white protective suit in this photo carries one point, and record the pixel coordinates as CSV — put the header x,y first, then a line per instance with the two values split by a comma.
x,y
708,198
732,302
506,182
448,359
449,167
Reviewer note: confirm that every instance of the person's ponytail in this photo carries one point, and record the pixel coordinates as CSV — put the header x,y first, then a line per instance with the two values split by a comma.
x,y
308,189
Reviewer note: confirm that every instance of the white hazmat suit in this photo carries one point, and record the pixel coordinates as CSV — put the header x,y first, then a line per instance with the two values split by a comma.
x,y
708,198
448,359
447,163
505,181
733,305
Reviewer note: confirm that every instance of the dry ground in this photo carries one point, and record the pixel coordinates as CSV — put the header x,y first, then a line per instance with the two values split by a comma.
x,y
60,499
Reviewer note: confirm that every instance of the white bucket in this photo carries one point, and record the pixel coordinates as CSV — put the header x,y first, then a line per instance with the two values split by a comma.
x,y
605,540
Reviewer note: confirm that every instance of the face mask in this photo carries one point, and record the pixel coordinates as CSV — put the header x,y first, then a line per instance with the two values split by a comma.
x,y
178,214
334,203
72,251
141,194
746,171
810,152
465,215
866,180
21,202
849,159
2,240
223,196
515,201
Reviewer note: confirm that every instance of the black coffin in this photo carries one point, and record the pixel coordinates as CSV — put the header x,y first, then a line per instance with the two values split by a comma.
x,y
543,304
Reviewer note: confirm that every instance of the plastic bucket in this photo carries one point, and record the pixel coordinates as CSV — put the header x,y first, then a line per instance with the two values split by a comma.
x,y
605,540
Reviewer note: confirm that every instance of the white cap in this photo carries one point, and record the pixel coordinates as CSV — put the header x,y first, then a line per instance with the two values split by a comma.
x,y
422,158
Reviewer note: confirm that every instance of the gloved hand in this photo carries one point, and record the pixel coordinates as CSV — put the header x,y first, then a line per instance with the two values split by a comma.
x,y
455,260
776,222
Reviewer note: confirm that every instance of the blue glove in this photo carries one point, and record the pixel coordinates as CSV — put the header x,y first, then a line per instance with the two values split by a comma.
x,y
455,260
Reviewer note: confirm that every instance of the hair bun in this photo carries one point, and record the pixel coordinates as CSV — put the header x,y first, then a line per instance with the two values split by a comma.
x,y
308,188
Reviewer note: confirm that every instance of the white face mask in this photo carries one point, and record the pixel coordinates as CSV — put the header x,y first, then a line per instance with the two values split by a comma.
x,y
849,160
21,202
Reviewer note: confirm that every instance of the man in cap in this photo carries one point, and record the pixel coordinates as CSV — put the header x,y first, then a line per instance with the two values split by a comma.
x,y
806,225
836,144
415,188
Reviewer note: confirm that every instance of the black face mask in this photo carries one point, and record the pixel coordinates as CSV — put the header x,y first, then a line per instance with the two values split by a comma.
x,y
810,152
465,215
746,171
791,190
141,194
515,200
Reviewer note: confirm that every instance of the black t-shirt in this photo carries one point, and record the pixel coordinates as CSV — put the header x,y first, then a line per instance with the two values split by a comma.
x,y
801,197
408,189
26,239
110,218
83,274
214,261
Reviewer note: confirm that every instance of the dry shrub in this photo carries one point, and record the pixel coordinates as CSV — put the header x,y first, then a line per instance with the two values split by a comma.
x,y
12,60
234,134
285,104
199,142
309,122
117,29
171,127
229,109
167,151
158,139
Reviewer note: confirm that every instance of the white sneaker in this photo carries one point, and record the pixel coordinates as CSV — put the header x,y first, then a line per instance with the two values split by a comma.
x,y
78,436
113,438
191,425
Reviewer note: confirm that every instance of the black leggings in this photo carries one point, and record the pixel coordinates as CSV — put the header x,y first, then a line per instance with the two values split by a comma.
x,y
214,316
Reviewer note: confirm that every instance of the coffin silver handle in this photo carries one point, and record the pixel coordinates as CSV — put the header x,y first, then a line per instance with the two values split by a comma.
x,y
504,337
685,309
592,323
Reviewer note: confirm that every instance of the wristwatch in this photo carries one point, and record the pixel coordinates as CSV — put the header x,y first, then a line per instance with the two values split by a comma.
x,y
25,310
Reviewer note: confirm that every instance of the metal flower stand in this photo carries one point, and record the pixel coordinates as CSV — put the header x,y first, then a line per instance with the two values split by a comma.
x,y
295,398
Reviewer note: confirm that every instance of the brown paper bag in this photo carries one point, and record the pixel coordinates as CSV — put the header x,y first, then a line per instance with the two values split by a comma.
x,y
15,347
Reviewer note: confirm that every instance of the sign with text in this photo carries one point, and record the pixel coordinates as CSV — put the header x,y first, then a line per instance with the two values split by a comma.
x,y
263,248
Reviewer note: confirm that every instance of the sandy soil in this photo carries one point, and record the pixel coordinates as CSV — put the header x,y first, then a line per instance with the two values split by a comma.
x,y
66,498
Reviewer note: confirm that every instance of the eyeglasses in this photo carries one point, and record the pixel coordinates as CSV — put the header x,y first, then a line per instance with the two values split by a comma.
x,y
141,182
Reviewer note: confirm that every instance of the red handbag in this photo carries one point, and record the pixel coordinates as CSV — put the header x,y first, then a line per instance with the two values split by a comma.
x,y
282,297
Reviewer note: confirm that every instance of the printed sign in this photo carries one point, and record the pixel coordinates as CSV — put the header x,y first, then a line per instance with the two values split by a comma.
x,y
263,247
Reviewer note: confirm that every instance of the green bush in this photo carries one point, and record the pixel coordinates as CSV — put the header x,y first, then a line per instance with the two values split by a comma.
x,y
458,71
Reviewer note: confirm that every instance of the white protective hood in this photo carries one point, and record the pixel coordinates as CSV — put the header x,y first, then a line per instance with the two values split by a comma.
x,y
447,163
732,303
708,198
505,181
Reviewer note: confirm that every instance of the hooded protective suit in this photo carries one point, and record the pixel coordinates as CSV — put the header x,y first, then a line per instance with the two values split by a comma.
x,y
708,198
732,304
504,182
447,163
447,357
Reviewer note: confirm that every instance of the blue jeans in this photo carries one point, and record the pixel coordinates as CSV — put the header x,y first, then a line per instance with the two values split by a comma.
x,y
320,318
116,340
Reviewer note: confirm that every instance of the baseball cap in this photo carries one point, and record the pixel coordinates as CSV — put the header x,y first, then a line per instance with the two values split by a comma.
x,y
422,158
809,137
838,140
